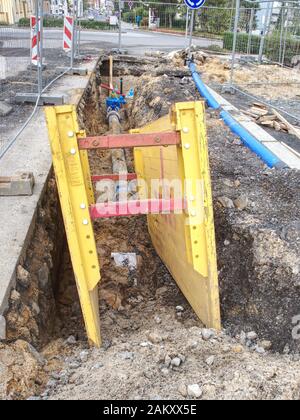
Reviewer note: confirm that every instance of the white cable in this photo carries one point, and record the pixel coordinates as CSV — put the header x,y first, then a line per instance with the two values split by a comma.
x,y
11,142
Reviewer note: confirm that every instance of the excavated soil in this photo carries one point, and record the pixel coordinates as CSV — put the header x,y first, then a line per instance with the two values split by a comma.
x,y
153,344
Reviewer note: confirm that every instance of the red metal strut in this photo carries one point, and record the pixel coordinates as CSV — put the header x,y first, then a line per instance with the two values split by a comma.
x,y
130,140
114,177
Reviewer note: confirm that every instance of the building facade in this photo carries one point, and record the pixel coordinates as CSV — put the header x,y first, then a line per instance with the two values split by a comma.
x,y
64,7
11,11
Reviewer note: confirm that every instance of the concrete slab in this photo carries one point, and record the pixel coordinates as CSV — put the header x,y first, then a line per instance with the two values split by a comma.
x,y
5,109
44,100
30,153
17,185
11,66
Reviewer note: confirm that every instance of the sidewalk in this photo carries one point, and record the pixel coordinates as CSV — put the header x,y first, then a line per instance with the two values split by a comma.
x,y
31,153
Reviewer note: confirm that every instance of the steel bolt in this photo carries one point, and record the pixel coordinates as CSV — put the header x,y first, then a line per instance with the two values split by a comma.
x,y
187,146
73,151
82,206
70,134
85,222
185,130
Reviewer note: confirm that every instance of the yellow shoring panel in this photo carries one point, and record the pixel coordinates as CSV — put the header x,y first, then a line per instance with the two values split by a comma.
x,y
185,242
73,181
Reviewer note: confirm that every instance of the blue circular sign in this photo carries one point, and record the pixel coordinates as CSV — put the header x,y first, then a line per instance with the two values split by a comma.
x,y
194,4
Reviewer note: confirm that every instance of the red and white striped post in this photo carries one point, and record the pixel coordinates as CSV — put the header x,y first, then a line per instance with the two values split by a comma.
x,y
35,38
68,33
70,38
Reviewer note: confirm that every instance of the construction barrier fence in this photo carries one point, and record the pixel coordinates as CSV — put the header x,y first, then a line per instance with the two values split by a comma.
x,y
255,33
31,58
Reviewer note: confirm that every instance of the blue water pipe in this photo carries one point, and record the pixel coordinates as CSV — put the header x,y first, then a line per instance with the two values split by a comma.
x,y
250,141
262,151
202,88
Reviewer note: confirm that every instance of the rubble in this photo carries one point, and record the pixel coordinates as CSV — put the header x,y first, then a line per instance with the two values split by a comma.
x,y
194,391
2,328
5,109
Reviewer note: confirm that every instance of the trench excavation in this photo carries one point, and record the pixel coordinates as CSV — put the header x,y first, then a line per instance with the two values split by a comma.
x,y
123,288
259,290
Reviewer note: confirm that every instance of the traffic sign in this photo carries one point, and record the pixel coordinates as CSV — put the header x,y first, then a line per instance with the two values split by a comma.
x,y
130,4
194,4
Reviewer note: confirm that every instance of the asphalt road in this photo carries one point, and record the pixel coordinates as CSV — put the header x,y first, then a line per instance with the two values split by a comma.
x,y
135,41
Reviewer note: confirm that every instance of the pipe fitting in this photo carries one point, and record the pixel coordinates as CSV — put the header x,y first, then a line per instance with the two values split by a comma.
x,y
113,114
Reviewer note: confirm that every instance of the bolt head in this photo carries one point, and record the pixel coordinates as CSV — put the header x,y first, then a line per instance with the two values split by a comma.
x,y
73,151
83,206
185,130
70,134
187,146
193,213
85,222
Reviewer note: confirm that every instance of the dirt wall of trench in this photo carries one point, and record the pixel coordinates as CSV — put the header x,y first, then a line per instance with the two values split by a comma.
x,y
256,220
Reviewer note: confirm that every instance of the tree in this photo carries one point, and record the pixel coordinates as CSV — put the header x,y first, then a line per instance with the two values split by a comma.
x,y
218,16
245,17
166,13
215,17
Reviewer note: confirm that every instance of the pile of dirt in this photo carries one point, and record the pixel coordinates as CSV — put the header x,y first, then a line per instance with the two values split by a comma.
x,y
20,366
167,358
266,80
270,81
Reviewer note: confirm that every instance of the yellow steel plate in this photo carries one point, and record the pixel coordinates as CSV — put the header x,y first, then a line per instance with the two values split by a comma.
x,y
185,242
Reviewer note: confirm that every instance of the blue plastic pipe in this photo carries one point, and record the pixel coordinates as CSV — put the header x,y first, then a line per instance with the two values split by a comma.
x,y
265,154
202,88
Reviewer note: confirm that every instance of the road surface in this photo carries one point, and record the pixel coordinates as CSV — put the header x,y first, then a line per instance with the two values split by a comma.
x,y
134,40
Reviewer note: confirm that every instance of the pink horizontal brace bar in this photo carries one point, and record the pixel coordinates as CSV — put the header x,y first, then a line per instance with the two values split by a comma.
x,y
114,177
136,207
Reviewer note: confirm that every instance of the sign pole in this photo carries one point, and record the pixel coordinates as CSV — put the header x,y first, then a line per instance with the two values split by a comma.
x,y
236,24
191,31
73,34
187,26
192,5
38,39
120,25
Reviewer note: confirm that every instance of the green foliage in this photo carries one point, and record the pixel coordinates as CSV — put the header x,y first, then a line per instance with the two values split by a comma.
x,y
215,48
92,24
272,46
129,16
242,42
50,22
24,22
213,21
